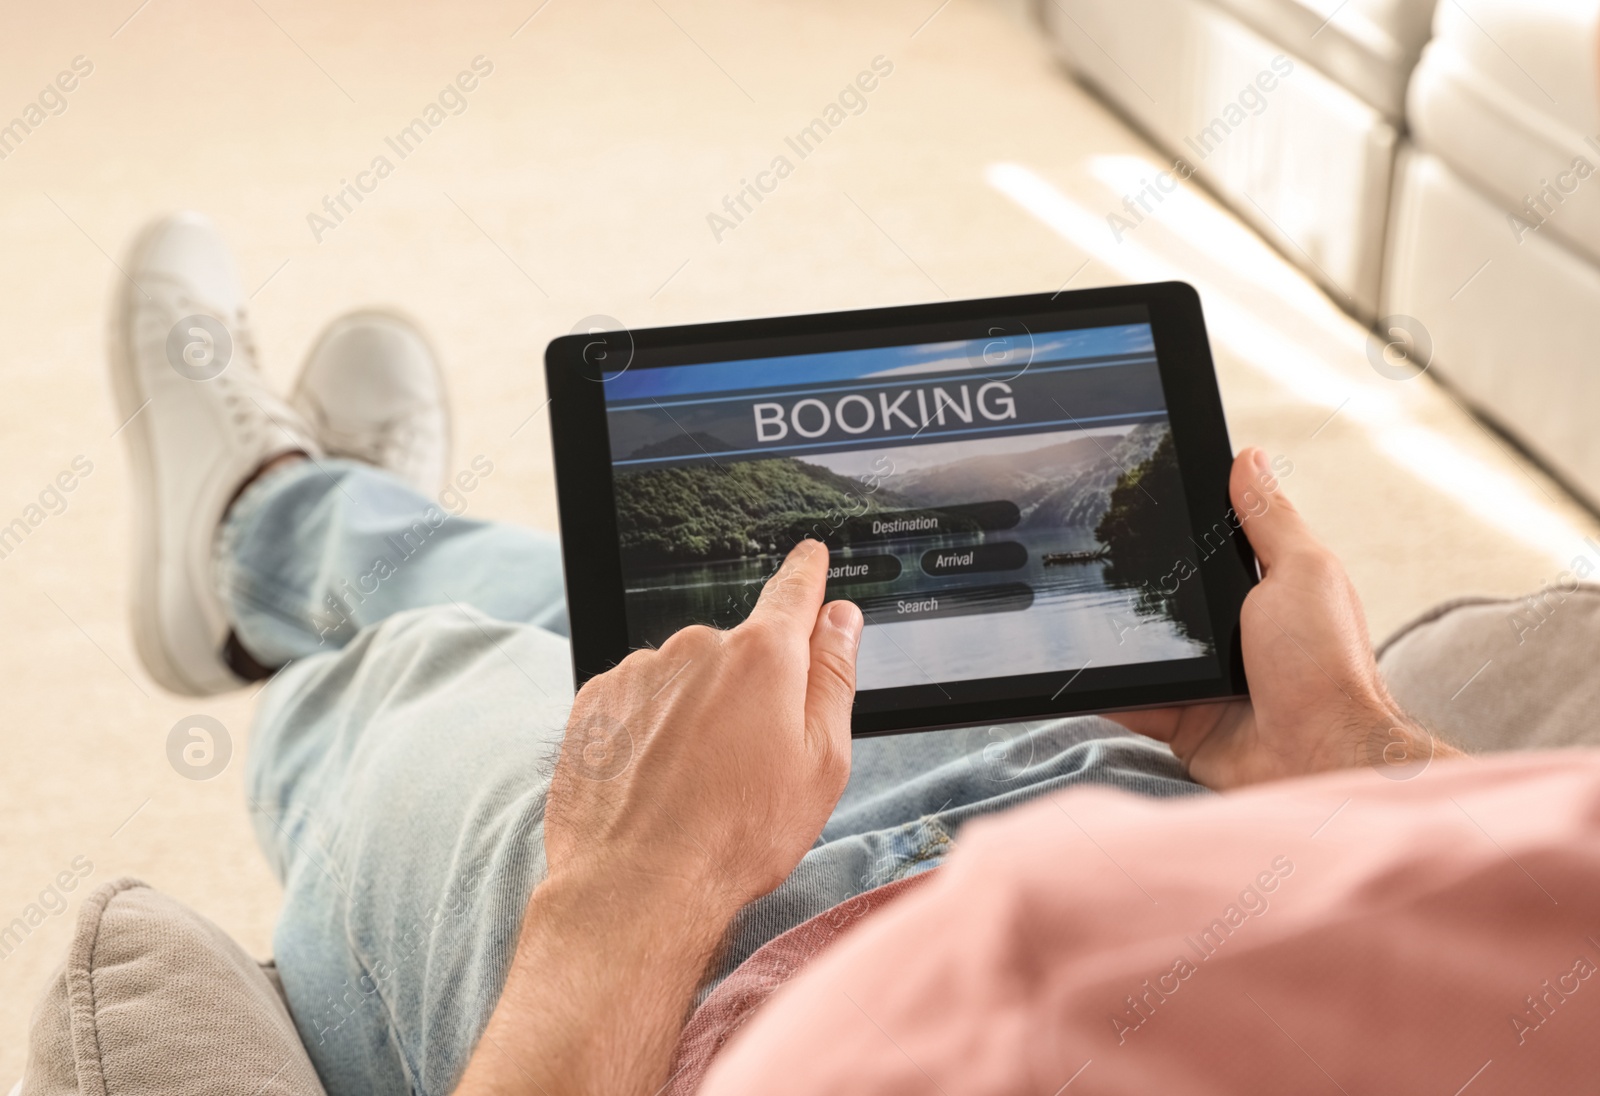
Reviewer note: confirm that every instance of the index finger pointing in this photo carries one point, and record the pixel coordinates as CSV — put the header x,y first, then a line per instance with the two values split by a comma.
x,y
792,597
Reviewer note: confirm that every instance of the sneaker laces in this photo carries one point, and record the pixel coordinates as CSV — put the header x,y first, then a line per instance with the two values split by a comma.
x,y
401,443
253,409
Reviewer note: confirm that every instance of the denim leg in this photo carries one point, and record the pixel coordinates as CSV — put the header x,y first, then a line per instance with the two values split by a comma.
x,y
398,786
898,777
397,768
910,795
316,551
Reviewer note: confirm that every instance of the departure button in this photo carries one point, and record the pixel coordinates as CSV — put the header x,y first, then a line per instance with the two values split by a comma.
x,y
850,569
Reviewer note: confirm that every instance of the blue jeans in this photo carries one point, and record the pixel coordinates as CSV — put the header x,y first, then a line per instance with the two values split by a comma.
x,y
398,767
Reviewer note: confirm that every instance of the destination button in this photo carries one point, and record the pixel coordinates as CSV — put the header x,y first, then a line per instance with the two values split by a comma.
x,y
1003,556
843,570
1012,597
940,521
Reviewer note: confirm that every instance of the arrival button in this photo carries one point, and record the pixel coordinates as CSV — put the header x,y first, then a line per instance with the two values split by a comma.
x,y
1013,597
1007,555
848,569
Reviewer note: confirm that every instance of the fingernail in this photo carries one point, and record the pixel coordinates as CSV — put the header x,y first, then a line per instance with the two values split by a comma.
x,y
845,616
1259,459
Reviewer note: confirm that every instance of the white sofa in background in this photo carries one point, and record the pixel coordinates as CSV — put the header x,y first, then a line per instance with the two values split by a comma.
x,y
1495,238
1309,161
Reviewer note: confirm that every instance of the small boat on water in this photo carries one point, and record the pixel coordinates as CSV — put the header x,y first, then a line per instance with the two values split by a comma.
x,y
1052,559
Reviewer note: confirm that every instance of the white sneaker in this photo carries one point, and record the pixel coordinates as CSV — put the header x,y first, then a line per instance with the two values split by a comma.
x,y
373,391
199,421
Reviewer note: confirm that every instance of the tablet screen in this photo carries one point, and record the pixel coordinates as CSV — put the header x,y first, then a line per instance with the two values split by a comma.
x,y
995,509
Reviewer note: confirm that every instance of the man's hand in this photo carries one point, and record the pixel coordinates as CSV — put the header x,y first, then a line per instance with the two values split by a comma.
x,y
691,781
1316,700
716,759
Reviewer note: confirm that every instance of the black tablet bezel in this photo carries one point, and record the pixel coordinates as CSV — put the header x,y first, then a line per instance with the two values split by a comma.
x,y
574,365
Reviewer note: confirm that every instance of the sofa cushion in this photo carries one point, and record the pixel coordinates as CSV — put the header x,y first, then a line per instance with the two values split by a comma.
x,y
1369,46
156,999
1513,326
1508,97
1494,674
1539,51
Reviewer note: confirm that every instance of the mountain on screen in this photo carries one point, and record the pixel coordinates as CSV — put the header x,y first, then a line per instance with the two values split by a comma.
x,y
681,445
1066,486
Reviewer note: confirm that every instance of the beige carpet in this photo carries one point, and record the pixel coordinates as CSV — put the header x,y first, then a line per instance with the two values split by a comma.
x,y
578,180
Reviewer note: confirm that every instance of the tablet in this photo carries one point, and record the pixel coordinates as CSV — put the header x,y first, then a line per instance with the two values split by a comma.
x,y
1026,496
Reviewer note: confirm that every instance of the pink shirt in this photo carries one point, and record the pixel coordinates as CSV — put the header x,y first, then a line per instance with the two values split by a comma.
x,y
1344,933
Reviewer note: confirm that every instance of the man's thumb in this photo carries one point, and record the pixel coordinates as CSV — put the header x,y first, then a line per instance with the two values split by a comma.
x,y
831,686
1269,519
